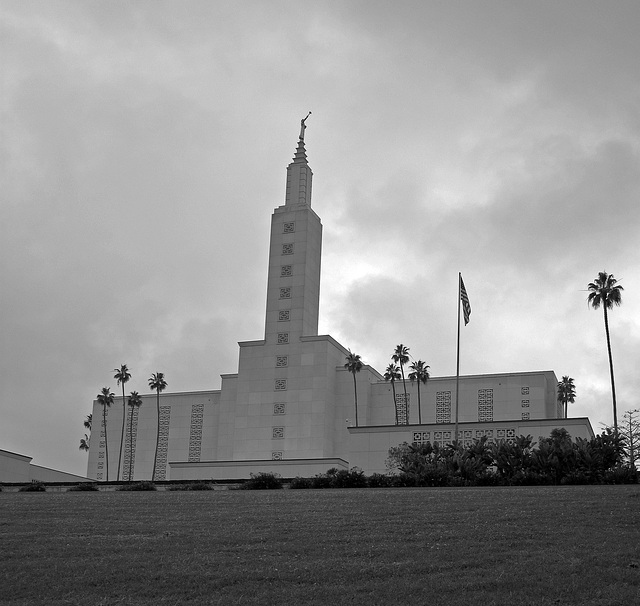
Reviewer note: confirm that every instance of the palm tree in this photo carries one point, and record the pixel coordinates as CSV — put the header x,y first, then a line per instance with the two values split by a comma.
x,y
392,374
88,421
135,401
105,399
84,443
354,365
157,382
401,356
122,375
421,374
566,393
605,291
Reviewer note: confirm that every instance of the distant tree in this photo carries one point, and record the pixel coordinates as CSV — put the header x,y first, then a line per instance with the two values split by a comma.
x,y
392,374
566,393
84,443
134,401
401,356
157,383
354,365
629,436
122,375
420,373
88,421
105,399
606,292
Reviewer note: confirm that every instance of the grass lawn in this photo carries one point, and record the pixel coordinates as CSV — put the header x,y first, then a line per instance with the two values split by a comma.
x,y
516,546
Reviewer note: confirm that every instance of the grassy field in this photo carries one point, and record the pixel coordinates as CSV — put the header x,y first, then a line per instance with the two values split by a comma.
x,y
489,546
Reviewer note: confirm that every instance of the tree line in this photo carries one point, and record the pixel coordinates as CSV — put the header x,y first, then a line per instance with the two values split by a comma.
x,y
106,399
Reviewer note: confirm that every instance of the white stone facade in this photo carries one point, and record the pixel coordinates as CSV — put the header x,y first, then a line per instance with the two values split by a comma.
x,y
290,407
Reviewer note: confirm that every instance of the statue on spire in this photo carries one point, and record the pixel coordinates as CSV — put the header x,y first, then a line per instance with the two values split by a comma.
x,y
303,126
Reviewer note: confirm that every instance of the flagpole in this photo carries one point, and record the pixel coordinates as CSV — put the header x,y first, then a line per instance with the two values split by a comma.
x,y
458,358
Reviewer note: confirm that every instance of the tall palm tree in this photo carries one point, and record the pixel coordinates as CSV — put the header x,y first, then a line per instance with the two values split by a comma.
x,y
105,399
605,291
89,421
566,393
420,373
401,356
134,401
157,382
392,374
354,365
84,443
122,375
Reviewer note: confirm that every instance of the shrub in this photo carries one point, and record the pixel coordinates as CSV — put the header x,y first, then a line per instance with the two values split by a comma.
x,y
84,487
191,486
321,480
349,478
299,483
263,481
33,487
145,485
379,480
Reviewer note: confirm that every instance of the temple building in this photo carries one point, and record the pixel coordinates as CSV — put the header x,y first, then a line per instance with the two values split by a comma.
x,y
289,408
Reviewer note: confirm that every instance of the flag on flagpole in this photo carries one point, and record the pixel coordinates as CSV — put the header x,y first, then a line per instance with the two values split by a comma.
x,y
466,307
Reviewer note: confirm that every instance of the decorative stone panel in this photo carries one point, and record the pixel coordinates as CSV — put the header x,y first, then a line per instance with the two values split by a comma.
x,y
276,455
443,407
284,315
283,338
420,437
278,433
524,403
129,459
289,227
279,408
286,271
287,249
195,432
524,391
285,292
163,443
282,361
525,416
485,405
280,385
403,408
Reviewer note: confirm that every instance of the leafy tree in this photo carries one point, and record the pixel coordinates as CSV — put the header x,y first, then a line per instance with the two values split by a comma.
x,y
606,292
105,399
85,442
122,374
354,365
420,373
566,393
392,374
134,401
401,356
157,383
629,432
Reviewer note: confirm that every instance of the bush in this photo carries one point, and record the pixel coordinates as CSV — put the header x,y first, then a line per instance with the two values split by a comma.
x,y
33,487
200,486
299,483
145,485
349,478
84,487
263,481
379,480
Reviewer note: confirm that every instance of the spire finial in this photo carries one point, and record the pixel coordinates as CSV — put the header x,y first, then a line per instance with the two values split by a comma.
x,y
303,126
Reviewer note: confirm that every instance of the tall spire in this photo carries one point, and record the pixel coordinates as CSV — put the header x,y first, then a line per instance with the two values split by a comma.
x,y
299,175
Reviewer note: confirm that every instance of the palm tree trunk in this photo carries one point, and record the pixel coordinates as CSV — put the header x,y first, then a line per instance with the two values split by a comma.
x,y
419,409
395,404
124,416
155,458
406,402
106,441
355,393
613,385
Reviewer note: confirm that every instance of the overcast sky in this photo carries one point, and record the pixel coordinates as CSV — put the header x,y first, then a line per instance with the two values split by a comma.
x,y
144,147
